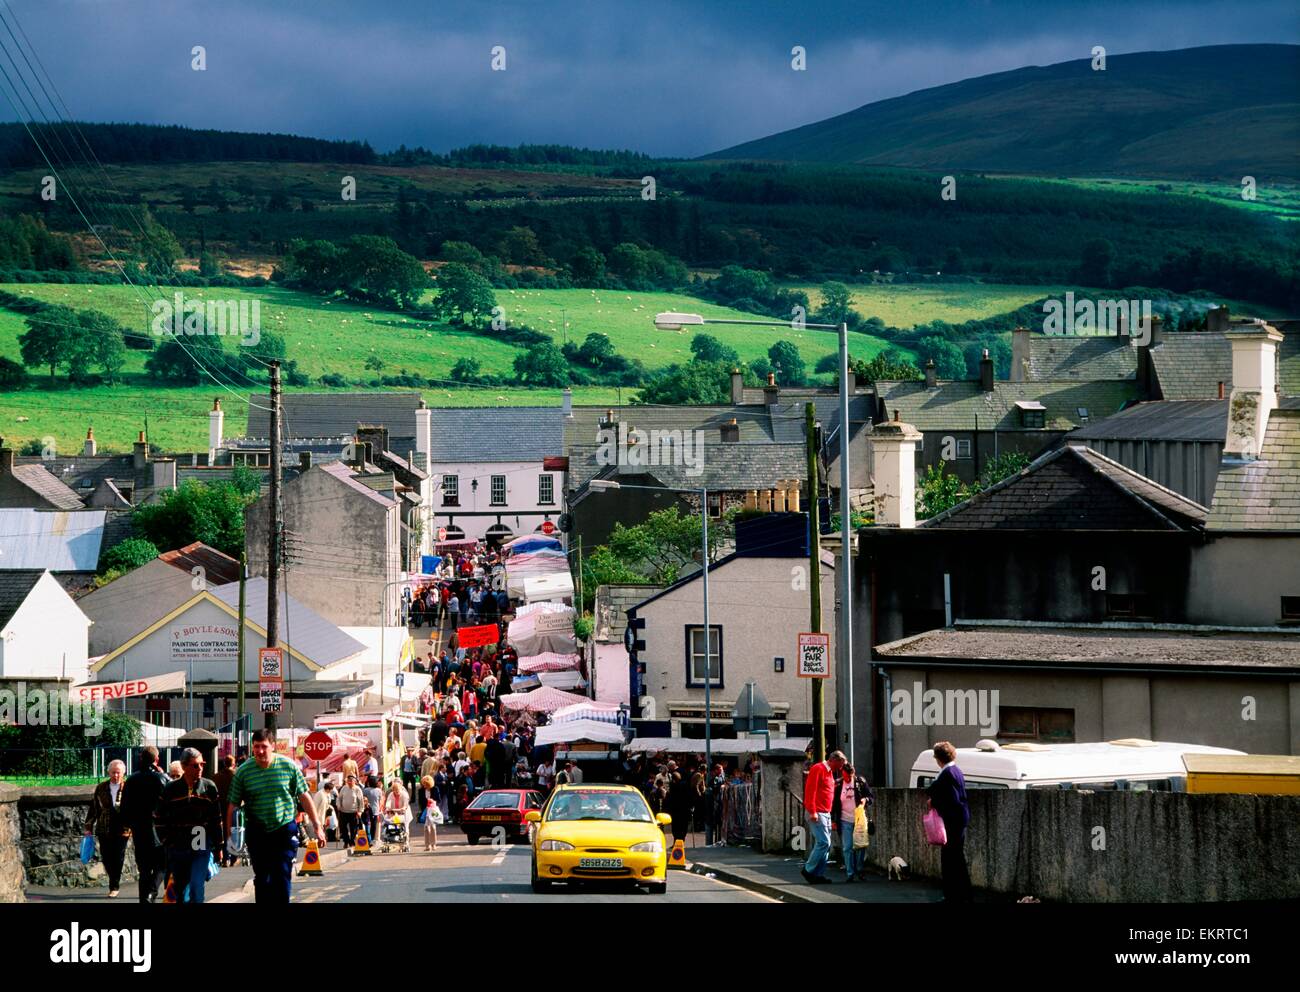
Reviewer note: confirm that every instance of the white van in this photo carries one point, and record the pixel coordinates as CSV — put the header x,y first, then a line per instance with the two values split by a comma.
x,y
1130,763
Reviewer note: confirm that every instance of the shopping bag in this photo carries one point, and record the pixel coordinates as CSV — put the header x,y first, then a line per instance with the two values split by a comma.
x,y
214,869
87,848
935,832
423,813
435,814
861,835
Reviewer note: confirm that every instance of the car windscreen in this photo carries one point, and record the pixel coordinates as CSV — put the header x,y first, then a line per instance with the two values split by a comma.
x,y
495,800
599,804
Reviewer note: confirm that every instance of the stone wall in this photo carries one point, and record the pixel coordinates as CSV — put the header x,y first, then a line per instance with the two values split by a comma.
x,y
51,822
11,860
1077,846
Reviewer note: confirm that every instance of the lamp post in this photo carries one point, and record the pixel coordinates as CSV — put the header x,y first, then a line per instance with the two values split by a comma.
x,y
604,485
383,625
675,322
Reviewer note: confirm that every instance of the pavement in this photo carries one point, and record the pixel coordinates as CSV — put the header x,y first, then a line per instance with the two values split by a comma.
x,y
778,876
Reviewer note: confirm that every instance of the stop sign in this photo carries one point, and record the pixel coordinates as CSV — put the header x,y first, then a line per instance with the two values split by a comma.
x,y
548,527
318,746
442,533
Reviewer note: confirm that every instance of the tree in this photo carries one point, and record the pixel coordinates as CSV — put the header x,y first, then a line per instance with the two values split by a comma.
x,y
126,555
158,246
949,362
209,265
788,363
12,376
707,348
603,567
939,491
466,369
1095,262
196,511
519,246
374,363
596,350
1006,464
377,271
690,384
107,344
542,365
464,296
182,361
271,347
887,366
837,305
48,338
587,267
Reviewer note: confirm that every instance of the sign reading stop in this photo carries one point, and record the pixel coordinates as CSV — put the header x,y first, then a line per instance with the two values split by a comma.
x,y
318,746
548,527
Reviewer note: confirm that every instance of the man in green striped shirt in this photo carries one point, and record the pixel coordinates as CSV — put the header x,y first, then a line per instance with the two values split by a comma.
x,y
272,788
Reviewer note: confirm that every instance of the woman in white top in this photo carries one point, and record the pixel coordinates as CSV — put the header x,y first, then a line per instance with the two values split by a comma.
x,y
397,800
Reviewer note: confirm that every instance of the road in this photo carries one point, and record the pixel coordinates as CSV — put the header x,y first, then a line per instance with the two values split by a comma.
x,y
456,869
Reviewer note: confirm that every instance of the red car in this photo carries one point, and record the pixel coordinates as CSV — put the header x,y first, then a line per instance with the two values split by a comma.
x,y
494,808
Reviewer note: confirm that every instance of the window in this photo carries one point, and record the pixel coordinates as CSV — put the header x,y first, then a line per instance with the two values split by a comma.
x,y
1022,723
1291,608
778,664
695,656
1128,606
1033,418
546,489
451,490
715,504
963,448
498,490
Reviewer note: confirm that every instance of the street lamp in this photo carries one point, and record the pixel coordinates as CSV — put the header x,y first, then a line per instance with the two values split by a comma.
x,y
604,485
673,321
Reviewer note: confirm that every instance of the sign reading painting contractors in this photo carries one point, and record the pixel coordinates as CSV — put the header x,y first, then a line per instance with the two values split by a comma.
x,y
205,642
814,656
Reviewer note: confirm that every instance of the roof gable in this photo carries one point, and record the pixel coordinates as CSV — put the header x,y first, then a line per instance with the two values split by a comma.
x,y
15,586
1087,358
47,487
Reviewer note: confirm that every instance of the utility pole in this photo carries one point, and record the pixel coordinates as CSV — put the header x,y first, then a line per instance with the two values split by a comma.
x,y
815,579
273,530
243,578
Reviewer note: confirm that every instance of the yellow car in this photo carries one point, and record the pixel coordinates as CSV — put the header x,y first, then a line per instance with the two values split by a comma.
x,y
592,832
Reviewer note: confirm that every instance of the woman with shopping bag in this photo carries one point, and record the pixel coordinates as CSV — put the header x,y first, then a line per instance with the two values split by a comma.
x,y
105,823
853,799
948,800
431,815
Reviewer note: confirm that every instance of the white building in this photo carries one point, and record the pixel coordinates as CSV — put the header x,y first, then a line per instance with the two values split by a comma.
x,y
43,633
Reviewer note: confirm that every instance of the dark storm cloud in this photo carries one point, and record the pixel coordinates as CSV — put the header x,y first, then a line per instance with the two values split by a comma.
x,y
672,78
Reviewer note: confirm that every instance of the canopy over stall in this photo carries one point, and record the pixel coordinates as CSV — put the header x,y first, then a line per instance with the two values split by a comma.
x,y
543,700
561,680
541,631
531,542
588,709
694,745
580,730
550,662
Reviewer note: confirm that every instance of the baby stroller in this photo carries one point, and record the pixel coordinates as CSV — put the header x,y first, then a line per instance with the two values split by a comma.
x,y
395,833
237,846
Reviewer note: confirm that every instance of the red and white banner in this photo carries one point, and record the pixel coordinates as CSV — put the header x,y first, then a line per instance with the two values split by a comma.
x,y
121,690
477,637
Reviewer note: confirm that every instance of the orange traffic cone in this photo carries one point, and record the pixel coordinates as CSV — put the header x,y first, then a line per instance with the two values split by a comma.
x,y
362,845
311,860
677,856
169,893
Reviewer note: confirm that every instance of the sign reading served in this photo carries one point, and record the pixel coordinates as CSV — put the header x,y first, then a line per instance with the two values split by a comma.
x,y
170,682
477,637
814,656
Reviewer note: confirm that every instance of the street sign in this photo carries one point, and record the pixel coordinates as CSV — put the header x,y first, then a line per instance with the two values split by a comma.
x,y
272,696
814,656
401,679
318,746
477,637
548,527
442,534
270,664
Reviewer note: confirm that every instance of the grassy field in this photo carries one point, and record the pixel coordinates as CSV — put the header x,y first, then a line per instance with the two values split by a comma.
x,y
1276,199
908,304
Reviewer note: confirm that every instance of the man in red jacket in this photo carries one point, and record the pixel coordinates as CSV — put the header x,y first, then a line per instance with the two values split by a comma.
x,y
818,796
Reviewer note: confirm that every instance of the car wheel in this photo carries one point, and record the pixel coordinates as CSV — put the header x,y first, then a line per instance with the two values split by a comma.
x,y
472,838
657,888
539,885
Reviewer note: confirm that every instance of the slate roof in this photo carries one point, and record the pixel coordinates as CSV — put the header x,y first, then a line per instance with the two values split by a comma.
x,y
60,540
218,568
47,487
1190,366
1263,494
1161,420
1073,488
782,422
725,467
960,405
345,475
15,587
301,627
495,434
83,473
337,415
1083,357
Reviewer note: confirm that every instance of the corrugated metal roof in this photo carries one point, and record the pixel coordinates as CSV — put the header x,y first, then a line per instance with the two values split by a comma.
x,y
1161,420
218,568
301,627
60,540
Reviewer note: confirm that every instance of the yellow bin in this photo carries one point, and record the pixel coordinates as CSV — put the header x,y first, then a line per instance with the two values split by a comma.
x,y
1244,774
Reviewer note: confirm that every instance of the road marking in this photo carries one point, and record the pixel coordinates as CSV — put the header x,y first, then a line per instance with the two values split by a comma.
x,y
501,856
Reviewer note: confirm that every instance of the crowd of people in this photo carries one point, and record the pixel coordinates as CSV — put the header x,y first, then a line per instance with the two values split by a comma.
x,y
467,588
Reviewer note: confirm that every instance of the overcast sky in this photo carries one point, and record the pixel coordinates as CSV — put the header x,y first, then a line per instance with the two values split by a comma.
x,y
683,77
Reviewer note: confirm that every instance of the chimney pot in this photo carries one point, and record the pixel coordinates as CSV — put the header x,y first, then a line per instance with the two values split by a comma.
x,y
771,378
1220,390
986,372
89,449
216,404
931,377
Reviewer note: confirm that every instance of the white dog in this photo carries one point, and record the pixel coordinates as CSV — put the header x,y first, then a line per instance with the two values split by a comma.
x,y
898,869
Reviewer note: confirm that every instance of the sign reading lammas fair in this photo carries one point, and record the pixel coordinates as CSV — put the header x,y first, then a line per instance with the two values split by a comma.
x,y
814,656
205,642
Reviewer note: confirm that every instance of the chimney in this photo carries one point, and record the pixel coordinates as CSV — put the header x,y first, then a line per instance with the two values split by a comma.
x,y
737,387
1121,324
931,375
1021,353
1157,330
1254,387
566,402
216,431
304,461
89,448
164,473
986,372
608,419
1220,390
140,452
852,379
771,392
893,473
1217,320
423,434
792,496
731,431
6,459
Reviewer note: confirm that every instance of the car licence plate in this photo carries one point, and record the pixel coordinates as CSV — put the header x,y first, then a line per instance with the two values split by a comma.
x,y
491,818
600,862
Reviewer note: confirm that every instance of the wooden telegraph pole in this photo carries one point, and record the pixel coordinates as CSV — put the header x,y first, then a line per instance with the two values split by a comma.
x,y
273,531
815,579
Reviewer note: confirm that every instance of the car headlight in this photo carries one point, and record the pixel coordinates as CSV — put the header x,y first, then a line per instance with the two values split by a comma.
x,y
648,847
556,845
